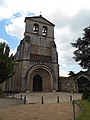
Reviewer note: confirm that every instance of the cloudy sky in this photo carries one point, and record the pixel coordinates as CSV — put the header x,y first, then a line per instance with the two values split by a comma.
x,y
69,16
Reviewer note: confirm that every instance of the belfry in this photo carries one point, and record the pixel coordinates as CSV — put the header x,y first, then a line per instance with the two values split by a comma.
x,y
36,58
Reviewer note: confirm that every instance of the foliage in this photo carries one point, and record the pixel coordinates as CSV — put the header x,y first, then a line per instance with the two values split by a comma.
x,y
82,52
89,98
86,94
85,115
6,63
71,73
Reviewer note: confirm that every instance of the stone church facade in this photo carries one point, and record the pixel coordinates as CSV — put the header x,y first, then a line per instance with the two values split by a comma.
x,y
37,67
36,58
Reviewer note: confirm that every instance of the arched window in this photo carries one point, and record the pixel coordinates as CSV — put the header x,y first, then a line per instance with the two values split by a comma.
x,y
82,83
36,28
44,30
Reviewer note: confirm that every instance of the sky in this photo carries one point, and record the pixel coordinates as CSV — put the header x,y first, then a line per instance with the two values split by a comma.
x,y
69,16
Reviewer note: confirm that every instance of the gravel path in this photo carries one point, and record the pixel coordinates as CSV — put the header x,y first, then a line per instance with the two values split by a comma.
x,y
9,102
48,97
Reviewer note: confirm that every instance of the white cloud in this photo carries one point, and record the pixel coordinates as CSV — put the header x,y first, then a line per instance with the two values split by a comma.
x,y
69,16
3,40
16,27
64,73
13,51
68,29
47,7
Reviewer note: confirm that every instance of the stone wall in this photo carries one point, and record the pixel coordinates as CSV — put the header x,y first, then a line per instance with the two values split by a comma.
x,y
67,84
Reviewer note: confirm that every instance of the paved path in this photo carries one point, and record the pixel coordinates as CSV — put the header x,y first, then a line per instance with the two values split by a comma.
x,y
49,97
61,111
32,98
9,102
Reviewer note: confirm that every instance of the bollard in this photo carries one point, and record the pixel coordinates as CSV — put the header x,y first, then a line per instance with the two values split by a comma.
x,y
57,99
7,93
13,95
25,99
73,102
70,98
21,96
42,100
3,94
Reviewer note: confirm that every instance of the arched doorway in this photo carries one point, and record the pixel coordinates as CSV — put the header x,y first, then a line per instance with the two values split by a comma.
x,y
82,83
40,72
37,83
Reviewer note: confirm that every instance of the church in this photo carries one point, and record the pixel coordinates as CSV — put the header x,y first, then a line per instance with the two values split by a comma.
x,y
37,67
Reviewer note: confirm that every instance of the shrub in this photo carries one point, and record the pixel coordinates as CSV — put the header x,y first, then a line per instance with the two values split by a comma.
x,y
85,94
89,98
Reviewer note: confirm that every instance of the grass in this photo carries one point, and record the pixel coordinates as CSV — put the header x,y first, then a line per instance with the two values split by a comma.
x,y
85,115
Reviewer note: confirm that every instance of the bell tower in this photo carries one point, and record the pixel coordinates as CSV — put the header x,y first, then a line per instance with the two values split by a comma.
x,y
37,57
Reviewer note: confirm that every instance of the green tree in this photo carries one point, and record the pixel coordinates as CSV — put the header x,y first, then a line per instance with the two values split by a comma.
x,y
71,73
7,63
82,52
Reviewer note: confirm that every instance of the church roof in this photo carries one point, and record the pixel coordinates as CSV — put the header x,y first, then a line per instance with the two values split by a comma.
x,y
37,18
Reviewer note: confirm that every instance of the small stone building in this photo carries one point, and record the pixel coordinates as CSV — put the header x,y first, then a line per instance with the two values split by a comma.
x,y
76,83
36,58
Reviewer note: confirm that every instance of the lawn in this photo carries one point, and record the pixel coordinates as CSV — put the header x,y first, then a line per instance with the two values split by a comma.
x,y
85,115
